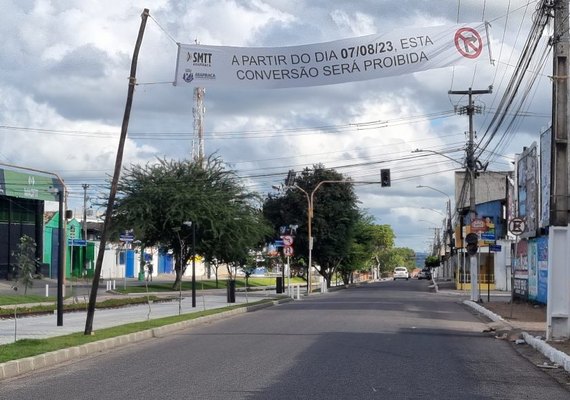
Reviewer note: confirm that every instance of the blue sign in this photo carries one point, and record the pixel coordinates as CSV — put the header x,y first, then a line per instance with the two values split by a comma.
x,y
495,247
126,237
489,236
77,242
278,243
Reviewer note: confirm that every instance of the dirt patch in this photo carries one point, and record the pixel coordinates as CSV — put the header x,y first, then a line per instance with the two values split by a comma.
x,y
518,311
528,313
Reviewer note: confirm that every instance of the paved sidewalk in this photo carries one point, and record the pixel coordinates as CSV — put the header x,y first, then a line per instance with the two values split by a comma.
x,y
40,327
516,320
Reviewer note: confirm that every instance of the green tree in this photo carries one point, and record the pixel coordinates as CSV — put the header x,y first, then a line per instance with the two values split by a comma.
x,y
432,261
26,260
159,200
335,214
397,257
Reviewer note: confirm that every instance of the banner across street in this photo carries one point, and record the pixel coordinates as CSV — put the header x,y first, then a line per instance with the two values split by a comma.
x,y
402,51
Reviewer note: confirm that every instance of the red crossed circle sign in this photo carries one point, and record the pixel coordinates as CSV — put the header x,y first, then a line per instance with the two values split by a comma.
x,y
468,42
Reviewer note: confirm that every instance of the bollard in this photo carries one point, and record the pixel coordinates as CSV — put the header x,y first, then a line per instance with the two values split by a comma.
x,y
298,292
114,286
47,290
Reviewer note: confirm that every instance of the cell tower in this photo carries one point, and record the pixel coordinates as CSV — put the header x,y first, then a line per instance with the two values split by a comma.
x,y
198,112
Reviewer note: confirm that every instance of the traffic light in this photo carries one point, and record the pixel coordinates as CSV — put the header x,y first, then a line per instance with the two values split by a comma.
x,y
385,177
472,240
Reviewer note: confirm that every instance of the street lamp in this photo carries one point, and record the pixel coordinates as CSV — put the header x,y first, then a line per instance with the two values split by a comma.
x,y
439,154
437,190
310,204
434,210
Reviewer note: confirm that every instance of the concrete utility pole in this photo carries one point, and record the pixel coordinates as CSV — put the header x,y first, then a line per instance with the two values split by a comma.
x,y
558,301
85,186
559,178
471,170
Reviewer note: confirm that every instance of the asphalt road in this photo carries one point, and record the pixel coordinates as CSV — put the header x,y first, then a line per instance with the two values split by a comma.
x,y
389,340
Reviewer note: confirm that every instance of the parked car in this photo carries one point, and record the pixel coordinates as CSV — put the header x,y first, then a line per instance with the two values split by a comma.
x,y
401,273
424,274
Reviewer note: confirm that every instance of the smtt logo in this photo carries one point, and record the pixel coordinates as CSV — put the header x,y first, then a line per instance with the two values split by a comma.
x,y
188,76
203,59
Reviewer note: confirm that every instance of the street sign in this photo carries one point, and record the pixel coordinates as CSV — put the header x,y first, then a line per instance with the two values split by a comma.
x,y
127,237
495,247
77,242
288,251
278,243
517,226
287,240
488,236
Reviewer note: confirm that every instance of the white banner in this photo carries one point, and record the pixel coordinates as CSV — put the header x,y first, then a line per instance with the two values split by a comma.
x,y
399,52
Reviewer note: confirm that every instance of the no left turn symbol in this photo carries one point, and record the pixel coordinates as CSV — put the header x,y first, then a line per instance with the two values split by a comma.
x,y
468,42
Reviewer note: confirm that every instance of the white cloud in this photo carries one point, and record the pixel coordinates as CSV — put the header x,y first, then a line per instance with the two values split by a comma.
x,y
65,68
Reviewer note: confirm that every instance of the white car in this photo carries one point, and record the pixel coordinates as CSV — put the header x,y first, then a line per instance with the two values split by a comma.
x,y
401,273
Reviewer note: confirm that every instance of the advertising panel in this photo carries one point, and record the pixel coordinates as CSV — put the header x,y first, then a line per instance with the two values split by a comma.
x,y
527,177
545,157
29,186
542,263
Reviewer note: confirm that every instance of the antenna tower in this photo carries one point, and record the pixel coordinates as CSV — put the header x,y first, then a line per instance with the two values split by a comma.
x,y
198,112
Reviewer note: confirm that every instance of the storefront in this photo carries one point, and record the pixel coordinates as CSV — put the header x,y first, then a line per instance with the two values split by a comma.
x,y
22,197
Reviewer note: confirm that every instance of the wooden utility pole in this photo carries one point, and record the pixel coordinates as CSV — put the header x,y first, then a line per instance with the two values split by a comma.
x,y
470,174
116,175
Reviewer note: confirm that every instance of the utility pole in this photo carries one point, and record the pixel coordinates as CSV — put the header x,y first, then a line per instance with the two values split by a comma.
x,y
116,175
559,177
470,174
557,304
85,186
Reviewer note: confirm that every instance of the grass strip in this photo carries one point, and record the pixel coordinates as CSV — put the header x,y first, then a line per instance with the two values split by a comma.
x,y
32,347
203,285
23,299
109,303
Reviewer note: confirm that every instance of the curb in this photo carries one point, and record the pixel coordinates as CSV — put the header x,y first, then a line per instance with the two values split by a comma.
x,y
14,368
554,355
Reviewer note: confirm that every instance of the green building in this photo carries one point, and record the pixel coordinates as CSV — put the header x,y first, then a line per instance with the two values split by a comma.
x,y
22,197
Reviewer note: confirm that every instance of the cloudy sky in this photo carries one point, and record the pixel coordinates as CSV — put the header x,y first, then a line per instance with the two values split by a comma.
x,y
63,89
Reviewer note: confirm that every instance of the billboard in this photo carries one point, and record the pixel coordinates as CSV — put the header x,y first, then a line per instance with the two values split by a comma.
x,y
527,178
545,157
28,186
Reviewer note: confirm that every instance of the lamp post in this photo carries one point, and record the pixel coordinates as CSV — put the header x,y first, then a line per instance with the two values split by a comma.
x,y
439,154
310,205
434,210
449,228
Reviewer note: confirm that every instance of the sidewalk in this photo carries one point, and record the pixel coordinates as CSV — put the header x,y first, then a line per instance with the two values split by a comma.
x,y
45,326
514,321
